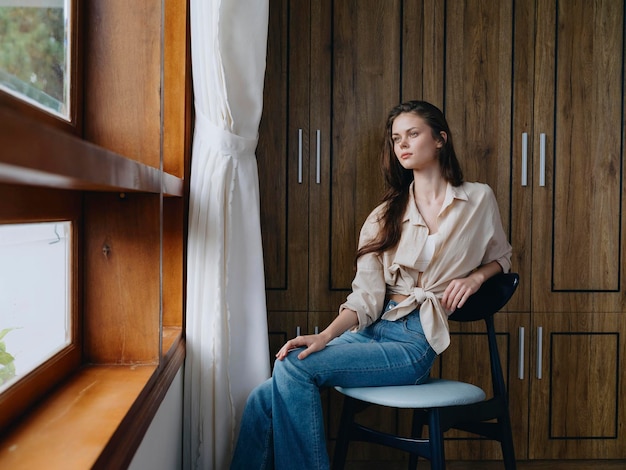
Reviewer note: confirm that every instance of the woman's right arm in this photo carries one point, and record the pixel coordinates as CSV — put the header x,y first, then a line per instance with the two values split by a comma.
x,y
368,291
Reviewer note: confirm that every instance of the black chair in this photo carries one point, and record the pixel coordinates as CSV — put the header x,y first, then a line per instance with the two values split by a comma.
x,y
439,403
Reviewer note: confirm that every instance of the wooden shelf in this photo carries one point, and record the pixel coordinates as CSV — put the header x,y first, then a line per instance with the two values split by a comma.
x,y
171,334
93,418
77,164
70,429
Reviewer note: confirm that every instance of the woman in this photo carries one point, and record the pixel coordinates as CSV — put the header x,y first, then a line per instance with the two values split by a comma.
x,y
423,251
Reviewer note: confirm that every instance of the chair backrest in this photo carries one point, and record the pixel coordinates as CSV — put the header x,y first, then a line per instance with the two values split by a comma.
x,y
489,299
483,304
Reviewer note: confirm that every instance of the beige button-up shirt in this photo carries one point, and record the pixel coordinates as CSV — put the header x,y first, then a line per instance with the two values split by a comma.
x,y
470,235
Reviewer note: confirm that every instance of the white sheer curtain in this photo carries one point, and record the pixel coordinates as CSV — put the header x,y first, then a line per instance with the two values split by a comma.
x,y
227,346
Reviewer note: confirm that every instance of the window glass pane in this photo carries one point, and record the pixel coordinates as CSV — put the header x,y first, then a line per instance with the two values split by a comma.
x,y
34,296
34,52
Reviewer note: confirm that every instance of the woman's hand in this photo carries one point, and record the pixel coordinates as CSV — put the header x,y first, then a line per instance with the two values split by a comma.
x,y
312,343
458,291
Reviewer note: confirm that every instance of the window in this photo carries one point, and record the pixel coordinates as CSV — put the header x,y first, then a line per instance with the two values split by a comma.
x,y
112,187
36,53
35,300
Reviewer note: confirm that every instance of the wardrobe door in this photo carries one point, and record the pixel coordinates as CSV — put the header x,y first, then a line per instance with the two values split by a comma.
x,y
357,69
365,59
476,86
282,155
482,85
578,402
482,43
578,223
578,231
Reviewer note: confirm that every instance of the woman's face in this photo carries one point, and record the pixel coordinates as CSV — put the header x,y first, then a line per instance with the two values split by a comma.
x,y
413,142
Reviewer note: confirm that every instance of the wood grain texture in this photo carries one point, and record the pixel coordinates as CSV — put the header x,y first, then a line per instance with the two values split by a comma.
x,y
498,69
76,422
42,156
122,77
495,465
21,204
284,199
588,147
520,221
579,106
122,251
577,407
119,249
173,262
177,87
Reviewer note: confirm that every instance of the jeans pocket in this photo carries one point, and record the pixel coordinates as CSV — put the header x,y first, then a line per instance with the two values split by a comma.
x,y
413,324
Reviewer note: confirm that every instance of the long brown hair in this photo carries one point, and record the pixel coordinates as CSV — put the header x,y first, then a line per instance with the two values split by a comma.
x,y
398,179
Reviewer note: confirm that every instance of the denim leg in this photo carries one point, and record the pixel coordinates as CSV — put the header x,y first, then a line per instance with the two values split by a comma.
x,y
255,448
391,353
297,417
287,408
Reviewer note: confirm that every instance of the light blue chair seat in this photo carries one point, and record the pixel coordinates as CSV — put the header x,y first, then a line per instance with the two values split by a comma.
x,y
432,393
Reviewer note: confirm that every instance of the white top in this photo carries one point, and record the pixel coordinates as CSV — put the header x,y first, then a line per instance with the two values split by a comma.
x,y
423,260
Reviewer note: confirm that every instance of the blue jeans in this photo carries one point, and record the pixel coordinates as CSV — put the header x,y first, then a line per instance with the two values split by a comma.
x,y
282,425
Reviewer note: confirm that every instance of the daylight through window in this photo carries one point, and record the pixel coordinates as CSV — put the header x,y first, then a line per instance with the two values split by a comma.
x,y
35,307
35,52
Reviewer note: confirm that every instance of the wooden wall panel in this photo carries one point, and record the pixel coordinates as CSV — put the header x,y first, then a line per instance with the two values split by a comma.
x,y
122,271
578,225
588,147
122,76
283,137
578,401
173,262
364,89
177,102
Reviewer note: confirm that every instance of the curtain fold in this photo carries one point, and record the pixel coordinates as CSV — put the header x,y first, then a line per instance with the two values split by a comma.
x,y
226,326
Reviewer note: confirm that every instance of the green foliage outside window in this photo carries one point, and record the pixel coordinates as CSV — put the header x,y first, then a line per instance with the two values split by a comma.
x,y
33,54
7,366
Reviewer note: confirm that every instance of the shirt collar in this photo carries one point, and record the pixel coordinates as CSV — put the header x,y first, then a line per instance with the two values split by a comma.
x,y
412,213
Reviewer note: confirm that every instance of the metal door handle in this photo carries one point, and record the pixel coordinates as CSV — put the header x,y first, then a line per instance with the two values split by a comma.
x,y
539,352
318,172
520,359
524,159
299,156
542,159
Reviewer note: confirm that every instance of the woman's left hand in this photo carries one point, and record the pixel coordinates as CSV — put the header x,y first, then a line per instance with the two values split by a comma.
x,y
458,291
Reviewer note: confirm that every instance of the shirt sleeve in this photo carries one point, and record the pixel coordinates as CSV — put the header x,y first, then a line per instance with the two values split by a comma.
x,y
368,287
498,249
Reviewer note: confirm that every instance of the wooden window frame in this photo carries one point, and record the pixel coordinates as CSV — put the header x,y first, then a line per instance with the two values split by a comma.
x,y
73,123
19,204
127,195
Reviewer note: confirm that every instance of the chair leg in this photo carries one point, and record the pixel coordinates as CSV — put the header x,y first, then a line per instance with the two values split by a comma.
x,y
417,426
508,451
343,435
437,454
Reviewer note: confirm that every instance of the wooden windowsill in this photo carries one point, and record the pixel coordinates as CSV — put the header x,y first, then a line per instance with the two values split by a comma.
x,y
171,334
75,424
71,427
77,164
